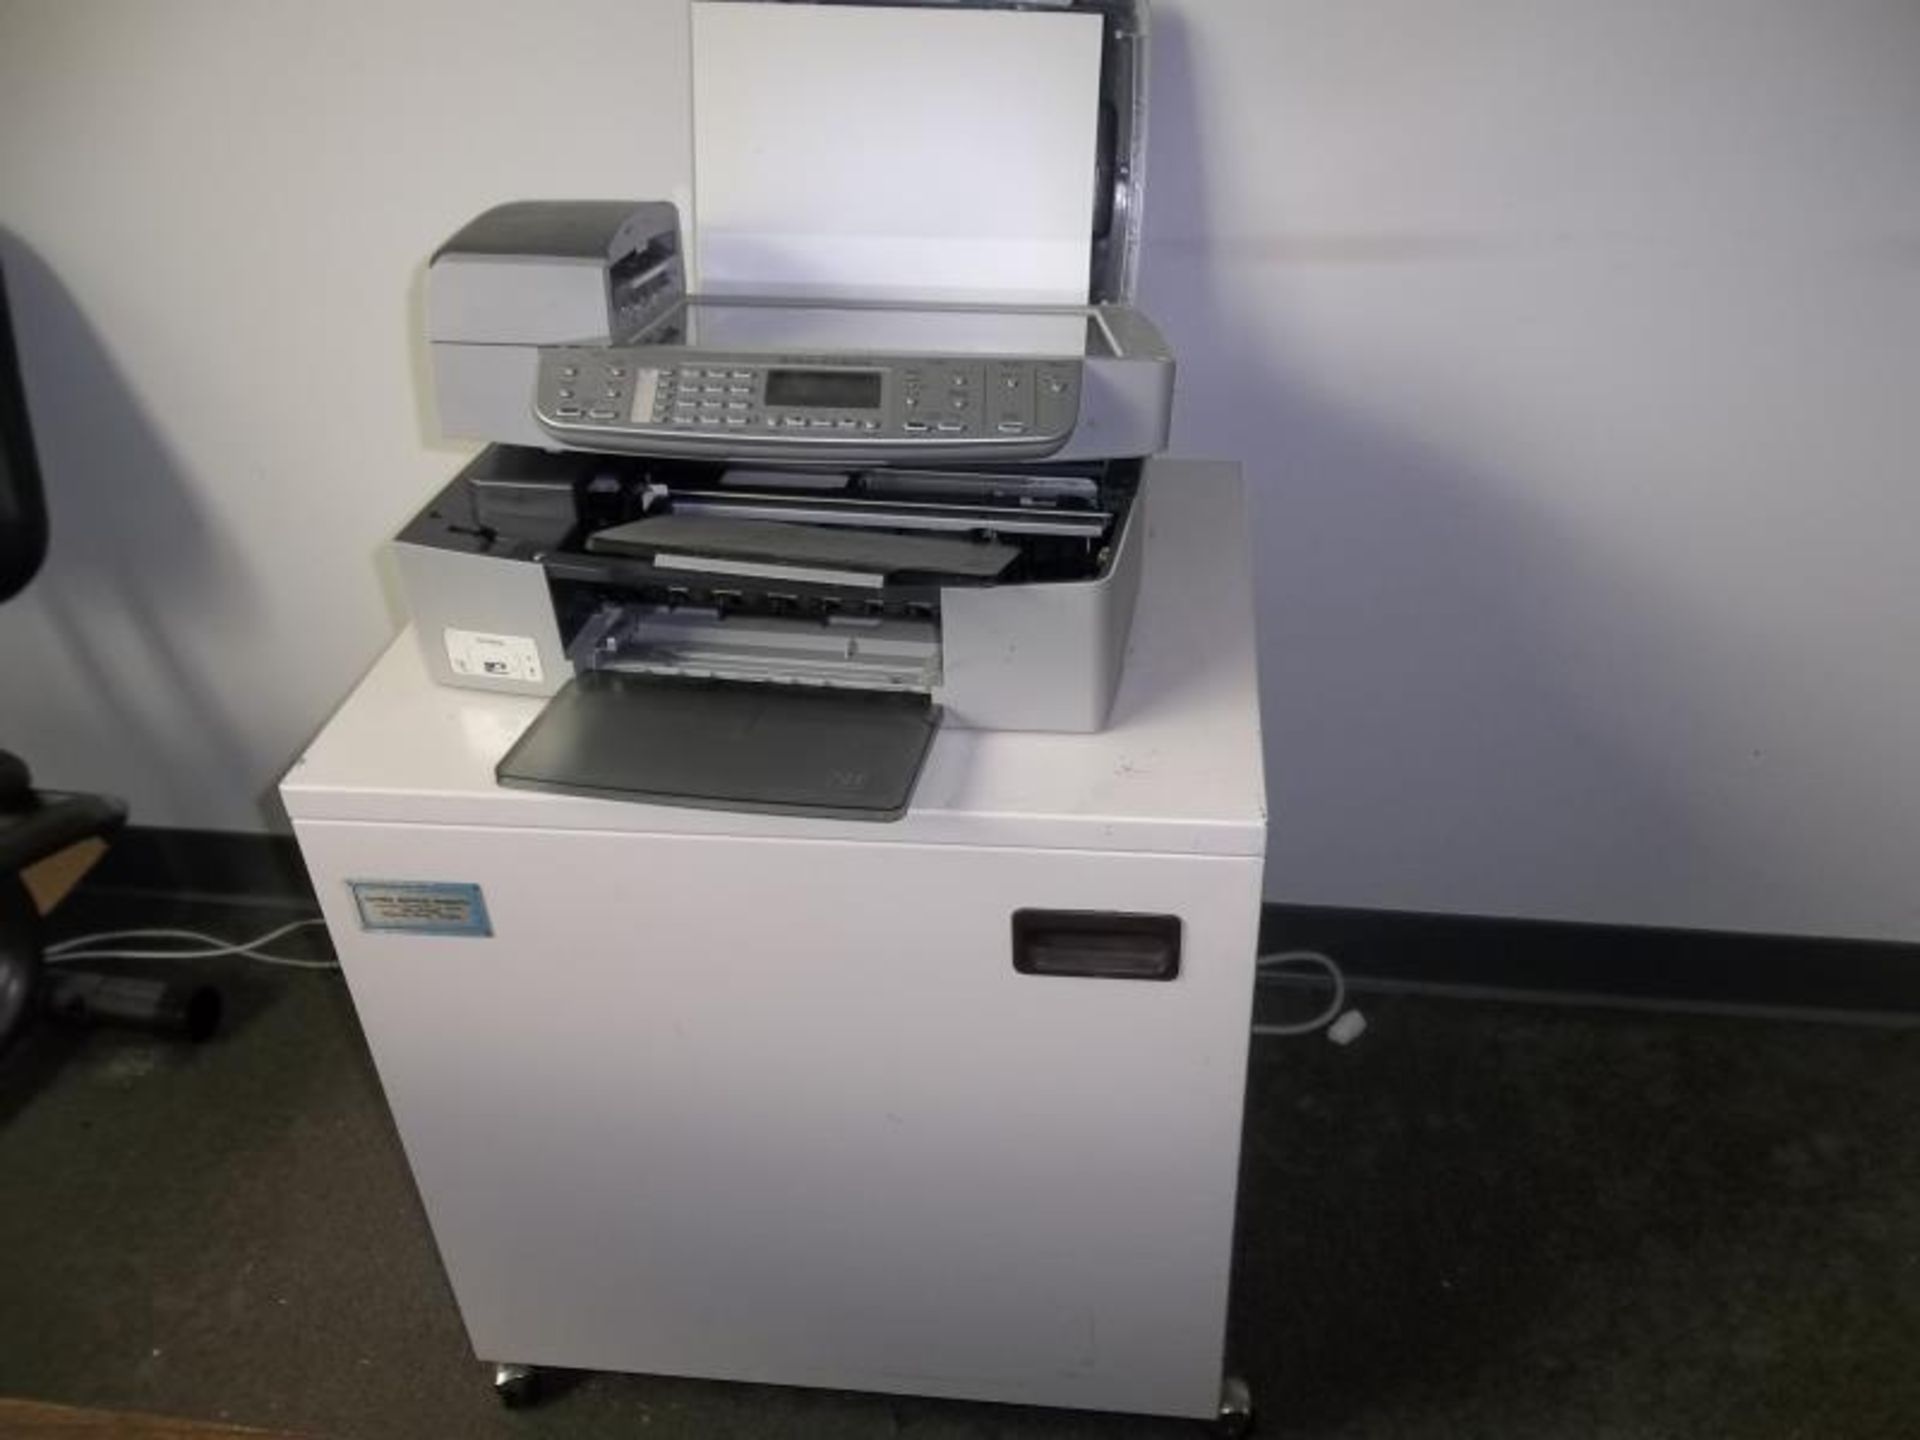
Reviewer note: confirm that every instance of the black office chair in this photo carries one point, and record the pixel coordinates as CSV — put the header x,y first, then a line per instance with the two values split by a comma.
x,y
34,824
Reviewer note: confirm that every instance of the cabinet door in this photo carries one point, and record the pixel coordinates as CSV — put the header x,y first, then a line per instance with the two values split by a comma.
x,y
787,1111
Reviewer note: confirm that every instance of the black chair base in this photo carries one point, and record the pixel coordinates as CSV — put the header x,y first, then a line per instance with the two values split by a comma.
x,y
35,825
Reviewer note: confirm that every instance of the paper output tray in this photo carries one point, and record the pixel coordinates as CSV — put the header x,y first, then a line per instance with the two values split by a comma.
x,y
727,745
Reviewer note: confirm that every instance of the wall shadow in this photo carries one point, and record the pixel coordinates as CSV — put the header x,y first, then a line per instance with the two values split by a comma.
x,y
1433,743
134,560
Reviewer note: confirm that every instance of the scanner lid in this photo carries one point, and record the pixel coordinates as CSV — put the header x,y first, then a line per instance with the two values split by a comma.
x,y
952,151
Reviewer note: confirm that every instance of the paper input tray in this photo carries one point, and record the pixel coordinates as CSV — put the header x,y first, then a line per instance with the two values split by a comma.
x,y
727,745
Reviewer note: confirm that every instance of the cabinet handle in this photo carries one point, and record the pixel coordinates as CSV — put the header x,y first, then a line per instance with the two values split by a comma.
x,y
1096,944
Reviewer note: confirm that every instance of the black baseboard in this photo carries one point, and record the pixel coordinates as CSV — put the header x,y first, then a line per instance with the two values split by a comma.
x,y
1541,959
224,865
1694,969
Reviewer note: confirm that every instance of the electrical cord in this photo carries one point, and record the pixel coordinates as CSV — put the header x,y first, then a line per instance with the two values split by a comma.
x,y
88,947
1336,1003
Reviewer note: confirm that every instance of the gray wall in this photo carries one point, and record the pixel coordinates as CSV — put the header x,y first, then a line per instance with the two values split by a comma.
x,y
1571,349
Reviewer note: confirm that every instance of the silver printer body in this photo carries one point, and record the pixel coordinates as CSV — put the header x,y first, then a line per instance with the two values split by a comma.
x,y
923,499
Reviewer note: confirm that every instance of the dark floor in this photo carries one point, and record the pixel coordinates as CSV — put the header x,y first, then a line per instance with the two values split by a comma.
x,y
1480,1220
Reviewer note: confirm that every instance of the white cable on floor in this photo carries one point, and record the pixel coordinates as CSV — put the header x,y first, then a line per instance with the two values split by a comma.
x,y
85,947
1336,1004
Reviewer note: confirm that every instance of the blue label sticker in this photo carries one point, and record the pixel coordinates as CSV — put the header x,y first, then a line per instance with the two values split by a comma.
x,y
421,907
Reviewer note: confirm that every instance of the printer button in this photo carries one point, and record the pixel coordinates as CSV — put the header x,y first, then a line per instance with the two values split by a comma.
x,y
916,427
869,424
616,372
951,427
794,422
567,372
567,412
740,374
736,419
1011,427
601,412
821,424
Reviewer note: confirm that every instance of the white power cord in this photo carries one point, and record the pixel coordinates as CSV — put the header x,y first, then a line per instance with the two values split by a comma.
x,y
1341,1024
88,947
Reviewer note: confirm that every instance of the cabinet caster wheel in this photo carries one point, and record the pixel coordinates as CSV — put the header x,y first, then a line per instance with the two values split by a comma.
x,y
1235,1420
517,1386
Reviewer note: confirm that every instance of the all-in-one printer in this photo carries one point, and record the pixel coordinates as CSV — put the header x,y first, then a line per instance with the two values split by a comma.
x,y
786,524
842,515
847,518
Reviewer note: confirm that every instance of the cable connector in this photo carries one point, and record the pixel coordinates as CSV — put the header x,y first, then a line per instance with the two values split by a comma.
x,y
1348,1028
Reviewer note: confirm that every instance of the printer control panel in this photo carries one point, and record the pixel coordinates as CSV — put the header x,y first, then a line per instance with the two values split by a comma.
x,y
666,401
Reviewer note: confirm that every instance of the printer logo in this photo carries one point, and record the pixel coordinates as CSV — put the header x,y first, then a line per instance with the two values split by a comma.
x,y
848,779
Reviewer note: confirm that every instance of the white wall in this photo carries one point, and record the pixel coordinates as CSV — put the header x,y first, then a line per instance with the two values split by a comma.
x,y
218,214
1574,350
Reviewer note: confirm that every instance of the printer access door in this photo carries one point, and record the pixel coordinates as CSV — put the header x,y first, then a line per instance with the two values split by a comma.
x,y
727,745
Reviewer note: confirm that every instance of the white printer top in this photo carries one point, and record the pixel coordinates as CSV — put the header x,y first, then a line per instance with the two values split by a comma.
x,y
970,153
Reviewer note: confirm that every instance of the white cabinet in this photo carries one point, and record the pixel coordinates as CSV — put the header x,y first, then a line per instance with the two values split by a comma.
x,y
767,1099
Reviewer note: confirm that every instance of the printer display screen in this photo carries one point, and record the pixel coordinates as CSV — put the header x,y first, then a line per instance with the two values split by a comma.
x,y
838,389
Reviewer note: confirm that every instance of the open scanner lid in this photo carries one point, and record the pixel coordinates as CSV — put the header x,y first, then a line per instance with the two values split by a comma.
x,y
946,151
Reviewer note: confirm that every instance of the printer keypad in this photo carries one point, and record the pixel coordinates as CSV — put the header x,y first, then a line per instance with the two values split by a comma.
x,y
940,398
956,398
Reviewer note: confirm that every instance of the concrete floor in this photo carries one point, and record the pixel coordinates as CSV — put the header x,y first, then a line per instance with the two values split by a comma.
x,y
1480,1220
